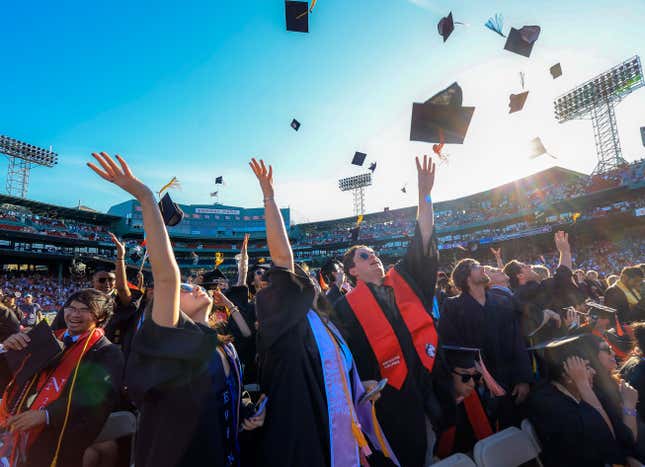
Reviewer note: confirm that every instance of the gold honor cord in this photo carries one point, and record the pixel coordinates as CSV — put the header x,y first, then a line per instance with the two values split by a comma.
x,y
306,12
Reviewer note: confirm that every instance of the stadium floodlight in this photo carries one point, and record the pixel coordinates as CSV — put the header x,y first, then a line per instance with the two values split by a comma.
x,y
21,157
596,99
356,185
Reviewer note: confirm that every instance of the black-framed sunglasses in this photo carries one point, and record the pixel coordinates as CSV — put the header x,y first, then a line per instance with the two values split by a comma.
x,y
467,377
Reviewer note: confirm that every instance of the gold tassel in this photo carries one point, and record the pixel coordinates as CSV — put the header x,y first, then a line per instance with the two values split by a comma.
x,y
311,8
219,259
173,183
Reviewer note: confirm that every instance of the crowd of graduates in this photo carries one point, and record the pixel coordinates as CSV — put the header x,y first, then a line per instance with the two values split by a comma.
x,y
353,364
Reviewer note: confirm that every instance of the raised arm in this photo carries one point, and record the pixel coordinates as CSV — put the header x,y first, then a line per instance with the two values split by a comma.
x,y
425,212
277,239
243,261
122,288
165,272
562,244
498,257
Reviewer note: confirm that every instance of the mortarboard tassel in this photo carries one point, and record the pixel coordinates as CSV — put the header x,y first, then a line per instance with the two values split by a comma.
x,y
219,258
173,183
576,216
492,385
496,23
323,284
359,219
311,9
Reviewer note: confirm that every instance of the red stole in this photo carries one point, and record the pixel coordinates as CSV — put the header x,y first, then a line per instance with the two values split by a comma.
x,y
619,353
478,421
380,334
50,385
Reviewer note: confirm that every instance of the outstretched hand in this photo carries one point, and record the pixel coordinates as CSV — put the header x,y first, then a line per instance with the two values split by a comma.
x,y
496,252
120,176
425,171
120,247
562,241
264,175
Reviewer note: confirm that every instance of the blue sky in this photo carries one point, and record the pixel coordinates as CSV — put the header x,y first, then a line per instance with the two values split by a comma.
x,y
194,89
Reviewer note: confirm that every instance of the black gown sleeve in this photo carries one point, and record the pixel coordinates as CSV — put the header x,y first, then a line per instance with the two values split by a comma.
x,y
163,357
421,266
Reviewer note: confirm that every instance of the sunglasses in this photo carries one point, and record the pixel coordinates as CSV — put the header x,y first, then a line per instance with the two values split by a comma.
x,y
103,280
466,377
364,255
188,288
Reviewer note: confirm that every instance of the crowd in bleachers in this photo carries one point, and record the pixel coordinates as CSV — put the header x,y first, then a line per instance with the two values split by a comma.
x,y
47,290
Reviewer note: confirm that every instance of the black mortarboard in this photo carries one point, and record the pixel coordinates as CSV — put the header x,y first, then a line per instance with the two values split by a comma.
x,y
219,180
354,232
596,310
559,343
211,277
452,95
404,190
520,41
295,124
516,102
373,166
359,158
456,356
556,70
446,26
171,212
297,15
428,119
42,349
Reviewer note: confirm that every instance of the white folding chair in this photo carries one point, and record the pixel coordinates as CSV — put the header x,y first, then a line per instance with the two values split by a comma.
x,y
118,425
456,460
527,427
508,448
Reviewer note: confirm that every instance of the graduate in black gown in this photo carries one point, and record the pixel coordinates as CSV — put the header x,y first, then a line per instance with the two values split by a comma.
x,y
480,319
633,370
463,419
388,324
572,425
305,367
183,377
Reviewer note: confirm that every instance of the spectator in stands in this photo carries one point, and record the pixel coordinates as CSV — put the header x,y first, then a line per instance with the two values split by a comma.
x,y
179,369
572,425
31,312
488,321
625,295
67,410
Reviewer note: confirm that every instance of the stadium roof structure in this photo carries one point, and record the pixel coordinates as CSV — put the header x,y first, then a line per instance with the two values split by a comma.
x,y
50,210
534,181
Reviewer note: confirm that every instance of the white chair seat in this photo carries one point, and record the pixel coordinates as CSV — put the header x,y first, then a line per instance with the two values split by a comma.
x,y
456,460
508,448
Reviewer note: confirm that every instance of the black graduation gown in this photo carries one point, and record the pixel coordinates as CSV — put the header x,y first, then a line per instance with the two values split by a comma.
x,y
245,346
296,428
572,434
615,298
95,396
494,328
401,413
334,294
9,323
168,380
634,373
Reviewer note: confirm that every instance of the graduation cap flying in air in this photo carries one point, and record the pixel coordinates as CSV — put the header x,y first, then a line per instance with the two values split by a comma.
x,y
170,211
537,149
297,15
219,180
521,41
516,102
373,167
442,118
359,158
295,124
556,70
446,26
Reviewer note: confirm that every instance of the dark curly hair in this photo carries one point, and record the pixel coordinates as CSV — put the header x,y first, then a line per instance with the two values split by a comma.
x,y
101,305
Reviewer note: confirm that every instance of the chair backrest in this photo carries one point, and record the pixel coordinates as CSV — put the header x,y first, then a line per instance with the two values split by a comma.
x,y
118,425
456,460
529,429
508,448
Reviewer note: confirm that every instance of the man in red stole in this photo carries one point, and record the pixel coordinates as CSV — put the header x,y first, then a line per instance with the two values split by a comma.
x,y
51,414
387,323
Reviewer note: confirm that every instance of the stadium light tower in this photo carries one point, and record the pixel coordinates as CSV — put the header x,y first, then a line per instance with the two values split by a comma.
x,y
21,157
595,99
356,185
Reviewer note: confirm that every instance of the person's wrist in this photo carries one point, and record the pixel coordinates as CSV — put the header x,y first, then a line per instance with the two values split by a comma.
x,y
630,410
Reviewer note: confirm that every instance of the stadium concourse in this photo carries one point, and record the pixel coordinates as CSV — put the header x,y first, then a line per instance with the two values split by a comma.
x,y
605,215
